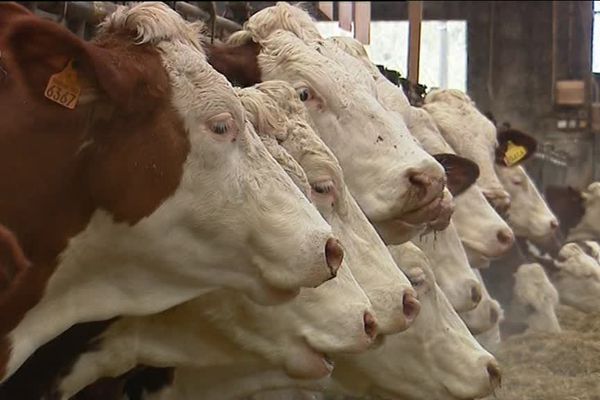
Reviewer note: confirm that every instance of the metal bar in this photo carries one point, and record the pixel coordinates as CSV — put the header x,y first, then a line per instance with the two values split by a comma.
x,y
415,16
188,10
94,12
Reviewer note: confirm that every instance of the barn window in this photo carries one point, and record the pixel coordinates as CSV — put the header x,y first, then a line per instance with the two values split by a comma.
x,y
596,39
443,61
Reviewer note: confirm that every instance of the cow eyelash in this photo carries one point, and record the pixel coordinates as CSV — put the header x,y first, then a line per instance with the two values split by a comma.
x,y
323,187
220,128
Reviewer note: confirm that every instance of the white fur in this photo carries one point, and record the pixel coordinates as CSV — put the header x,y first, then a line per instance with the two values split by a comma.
x,y
365,252
430,352
578,279
235,220
535,299
479,229
451,267
372,145
469,133
486,315
529,215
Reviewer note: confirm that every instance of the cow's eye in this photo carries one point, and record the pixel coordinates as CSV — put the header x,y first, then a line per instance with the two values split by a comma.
x,y
220,128
324,187
303,94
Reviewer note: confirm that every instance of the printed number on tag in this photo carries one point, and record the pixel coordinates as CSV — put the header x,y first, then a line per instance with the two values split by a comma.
x,y
514,154
63,87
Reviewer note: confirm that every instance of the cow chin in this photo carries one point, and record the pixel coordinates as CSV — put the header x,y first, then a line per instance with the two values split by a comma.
x,y
304,362
268,295
428,212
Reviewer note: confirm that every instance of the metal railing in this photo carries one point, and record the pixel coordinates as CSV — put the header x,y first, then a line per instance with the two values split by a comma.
x,y
93,12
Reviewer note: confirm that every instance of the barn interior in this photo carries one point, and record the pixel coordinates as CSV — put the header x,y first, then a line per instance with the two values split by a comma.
x,y
532,65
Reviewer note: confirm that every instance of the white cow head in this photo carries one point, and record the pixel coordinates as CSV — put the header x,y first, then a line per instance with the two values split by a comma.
x,y
431,351
451,268
386,170
482,231
474,136
529,215
486,315
578,278
387,288
534,300
249,218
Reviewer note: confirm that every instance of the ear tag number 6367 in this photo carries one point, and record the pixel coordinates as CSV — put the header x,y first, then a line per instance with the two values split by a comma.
x,y
63,87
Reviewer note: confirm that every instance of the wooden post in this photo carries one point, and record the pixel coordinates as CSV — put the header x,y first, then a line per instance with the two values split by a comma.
x,y
345,15
362,21
326,8
415,16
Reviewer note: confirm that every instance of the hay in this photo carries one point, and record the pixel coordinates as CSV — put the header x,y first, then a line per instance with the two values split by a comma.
x,y
564,366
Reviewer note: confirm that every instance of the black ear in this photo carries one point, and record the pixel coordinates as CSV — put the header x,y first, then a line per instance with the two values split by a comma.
x,y
514,147
567,204
461,172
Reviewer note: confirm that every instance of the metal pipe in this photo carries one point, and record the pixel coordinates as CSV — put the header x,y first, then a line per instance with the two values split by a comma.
x,y
94,12
188,10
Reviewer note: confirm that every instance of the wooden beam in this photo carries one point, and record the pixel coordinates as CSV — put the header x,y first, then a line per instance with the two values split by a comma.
x,y
326,8
362,21
345,15
415,16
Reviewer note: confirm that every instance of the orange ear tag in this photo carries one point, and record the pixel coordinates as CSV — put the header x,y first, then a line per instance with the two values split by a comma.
x,y
63,87
514,154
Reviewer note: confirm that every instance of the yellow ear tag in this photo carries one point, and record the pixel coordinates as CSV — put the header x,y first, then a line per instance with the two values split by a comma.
x,y
514,154
63,87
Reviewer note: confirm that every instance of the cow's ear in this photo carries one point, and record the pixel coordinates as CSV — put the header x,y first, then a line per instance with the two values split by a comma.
x,y
567,204
238,63
461,172
46,53
514,147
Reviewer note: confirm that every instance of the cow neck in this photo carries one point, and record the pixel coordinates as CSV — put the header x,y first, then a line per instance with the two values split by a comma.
x,y
79,162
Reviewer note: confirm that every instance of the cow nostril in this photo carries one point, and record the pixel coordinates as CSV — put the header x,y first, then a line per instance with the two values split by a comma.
x,y
419,179
494,374
476,294
410,307
494,315
334,254
554,224
505,237
370,325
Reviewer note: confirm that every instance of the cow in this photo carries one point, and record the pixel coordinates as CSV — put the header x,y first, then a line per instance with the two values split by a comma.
x,y
436,343
371,263
474,136
13,262
484,234
322,318
534,302
488,312
390,176
151,191
577,278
